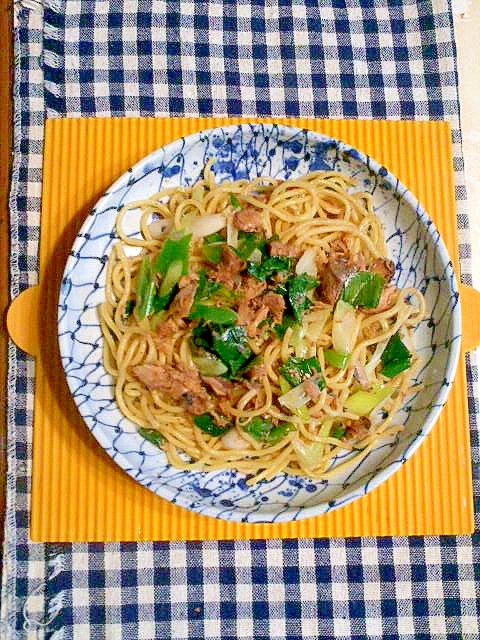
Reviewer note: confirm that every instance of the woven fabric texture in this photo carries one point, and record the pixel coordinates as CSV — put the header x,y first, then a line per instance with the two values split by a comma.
x,y
332,59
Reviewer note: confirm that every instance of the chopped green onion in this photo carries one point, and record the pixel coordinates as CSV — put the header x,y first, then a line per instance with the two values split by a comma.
x,y
303,413
297,336
213,238
171,277
145,289
326,427
363,289
161,302
307,263
309,455
284,385
213,252
187,221
210,366
336,359
156,319
173,249
205,225
361,403
298,342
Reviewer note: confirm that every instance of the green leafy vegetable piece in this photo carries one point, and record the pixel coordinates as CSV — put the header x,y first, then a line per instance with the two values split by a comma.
x,y
173,249
217,315
337,432
152,435
297,288
396,357
213,238
363,289
206,423
128,310
265,431
145,289
296,370
202,337
162,302
210,290
234,201
248,242
212,248
252,361
207,295
280,329
269,267
231,346
336,359
206,287
282,289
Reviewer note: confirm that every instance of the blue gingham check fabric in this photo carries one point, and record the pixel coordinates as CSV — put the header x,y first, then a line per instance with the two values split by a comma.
x,y
336,58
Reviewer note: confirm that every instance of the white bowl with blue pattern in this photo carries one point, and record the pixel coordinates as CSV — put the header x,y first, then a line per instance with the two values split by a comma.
x,y
248,151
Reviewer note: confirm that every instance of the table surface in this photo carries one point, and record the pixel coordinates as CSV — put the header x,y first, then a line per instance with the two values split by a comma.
x,y
467,28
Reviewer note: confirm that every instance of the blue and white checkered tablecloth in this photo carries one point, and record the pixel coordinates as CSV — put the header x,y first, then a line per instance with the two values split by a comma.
x,y
331,58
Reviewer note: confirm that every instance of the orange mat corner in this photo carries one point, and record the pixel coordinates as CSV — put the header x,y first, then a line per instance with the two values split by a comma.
x,y
79,493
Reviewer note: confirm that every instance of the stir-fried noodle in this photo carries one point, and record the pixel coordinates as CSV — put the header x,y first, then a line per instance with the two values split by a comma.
x,y
255,326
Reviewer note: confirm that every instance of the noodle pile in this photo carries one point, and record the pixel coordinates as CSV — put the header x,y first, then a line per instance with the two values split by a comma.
x,y
254,325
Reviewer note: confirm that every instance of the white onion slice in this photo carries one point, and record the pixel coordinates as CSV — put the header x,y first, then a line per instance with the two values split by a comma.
x,y
295,398
306,263
206,225
159,228
376,357
315,322
232,234
345,327
309,454
233,440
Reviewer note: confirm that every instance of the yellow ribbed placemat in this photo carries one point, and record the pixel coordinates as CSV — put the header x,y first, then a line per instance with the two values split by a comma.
x,y
78,492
